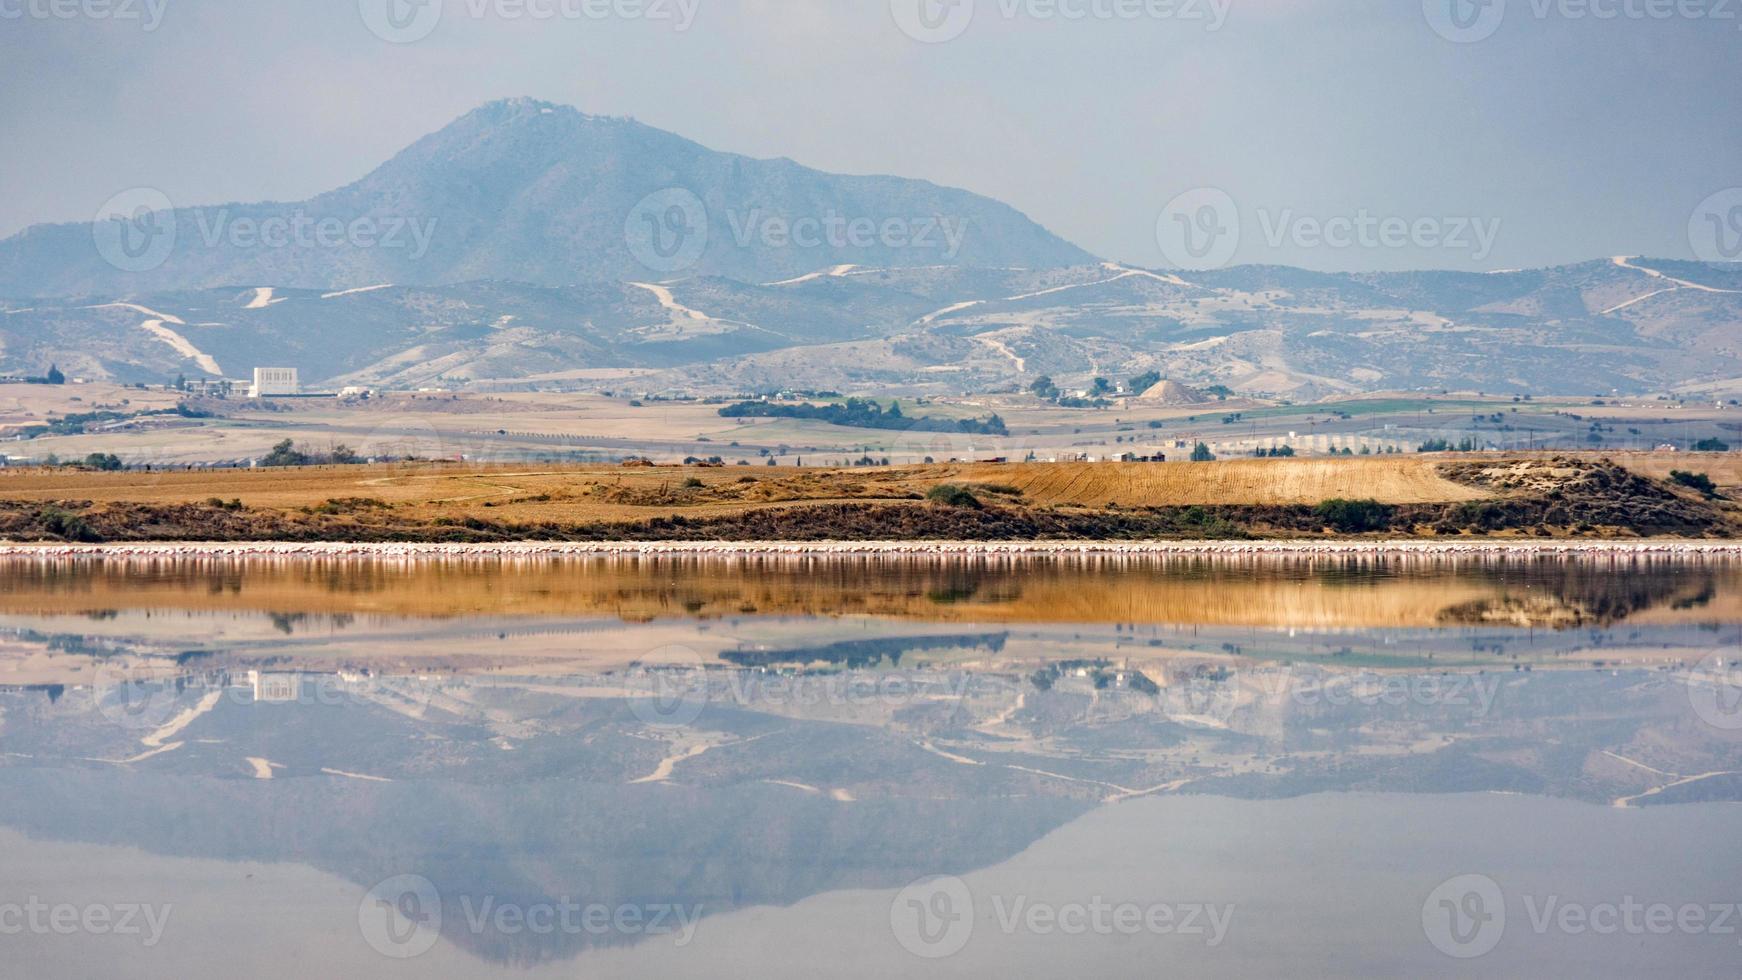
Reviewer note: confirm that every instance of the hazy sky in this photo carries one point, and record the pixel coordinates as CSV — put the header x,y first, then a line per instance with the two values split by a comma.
x,y
1561,135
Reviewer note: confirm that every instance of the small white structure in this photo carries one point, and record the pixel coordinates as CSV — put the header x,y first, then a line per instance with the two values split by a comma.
x,y
274,381
275,688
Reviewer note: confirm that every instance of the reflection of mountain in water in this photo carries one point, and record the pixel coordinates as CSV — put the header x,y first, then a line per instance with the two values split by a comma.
x,y
538,791
557,818
1577,595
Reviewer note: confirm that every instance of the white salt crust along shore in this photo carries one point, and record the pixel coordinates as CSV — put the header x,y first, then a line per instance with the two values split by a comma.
x,y
1613,550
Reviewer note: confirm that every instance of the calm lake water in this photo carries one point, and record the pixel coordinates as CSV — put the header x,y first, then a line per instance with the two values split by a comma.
x,y
1032,767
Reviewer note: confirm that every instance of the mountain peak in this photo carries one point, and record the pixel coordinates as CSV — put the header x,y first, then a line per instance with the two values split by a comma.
x,y
507,112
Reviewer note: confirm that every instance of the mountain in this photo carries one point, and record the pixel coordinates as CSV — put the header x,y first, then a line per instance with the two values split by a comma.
x,y
539,193
529,243
1629,325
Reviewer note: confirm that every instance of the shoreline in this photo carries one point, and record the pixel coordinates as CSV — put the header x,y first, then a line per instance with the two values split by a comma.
x,y
1493,548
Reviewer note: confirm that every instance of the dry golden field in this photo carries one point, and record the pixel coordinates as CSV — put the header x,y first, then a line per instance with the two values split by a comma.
x,y
1261,482
608,493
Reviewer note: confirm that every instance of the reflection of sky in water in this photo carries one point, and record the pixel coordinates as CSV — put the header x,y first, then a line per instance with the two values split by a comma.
x,y
1321,780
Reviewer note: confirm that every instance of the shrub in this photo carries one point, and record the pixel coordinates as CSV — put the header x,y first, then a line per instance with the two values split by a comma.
x,y
1695,481
67,525
953,496
1355,516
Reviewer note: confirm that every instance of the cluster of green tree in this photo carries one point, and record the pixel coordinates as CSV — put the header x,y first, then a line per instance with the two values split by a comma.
x,y
71,425
1046,390
76,423
862,413
1711,446
1281,452
1443,446
286,454
1201,454
53,377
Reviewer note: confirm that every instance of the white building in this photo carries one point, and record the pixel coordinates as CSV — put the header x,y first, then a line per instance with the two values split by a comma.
x,y
275,688
274,381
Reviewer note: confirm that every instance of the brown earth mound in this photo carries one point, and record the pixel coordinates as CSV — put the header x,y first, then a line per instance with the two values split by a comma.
x,y
1173,393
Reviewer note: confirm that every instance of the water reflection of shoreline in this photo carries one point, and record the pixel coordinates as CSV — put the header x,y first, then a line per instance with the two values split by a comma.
x,y
1320,593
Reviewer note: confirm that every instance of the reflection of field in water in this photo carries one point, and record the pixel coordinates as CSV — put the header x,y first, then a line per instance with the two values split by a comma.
x,y
60,622
1330,593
